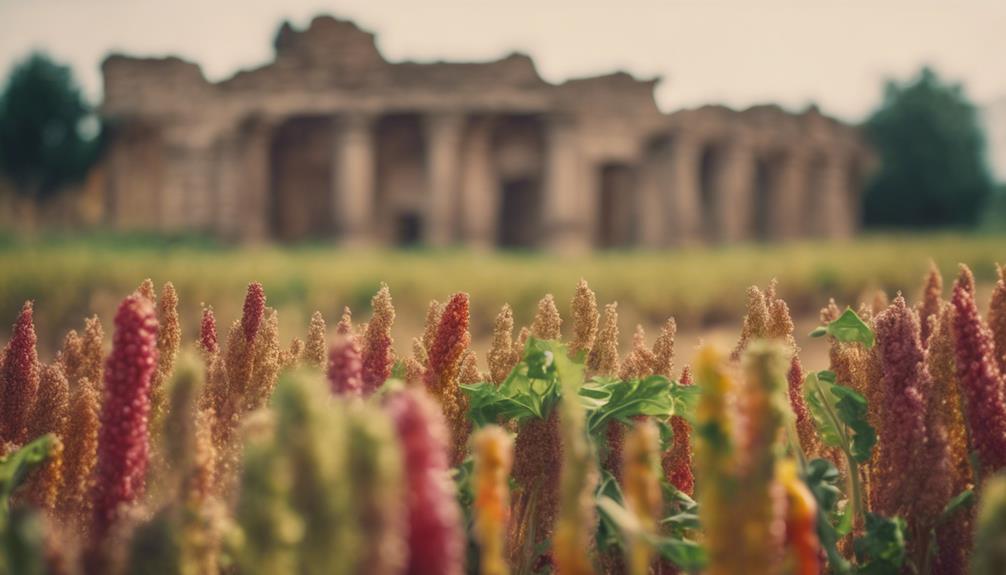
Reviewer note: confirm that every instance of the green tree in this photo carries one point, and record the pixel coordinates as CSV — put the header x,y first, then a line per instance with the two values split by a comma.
x,y
931,148
43,125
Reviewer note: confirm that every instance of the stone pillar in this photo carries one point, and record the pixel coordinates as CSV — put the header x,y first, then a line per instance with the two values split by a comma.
x,y
788,199
443,154
253,205
836,219
589,190
354,179
682,164
185,202
228,185
479,197
564,224
651,206
733,184
171,207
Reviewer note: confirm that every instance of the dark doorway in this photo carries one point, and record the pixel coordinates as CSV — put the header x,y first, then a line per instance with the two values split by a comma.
x,y
408,229
618,212
520,214
761,202
813,203
401,179
302,179
708,201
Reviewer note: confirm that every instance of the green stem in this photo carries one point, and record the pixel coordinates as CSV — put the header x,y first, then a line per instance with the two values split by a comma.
x,y
858,503
796,446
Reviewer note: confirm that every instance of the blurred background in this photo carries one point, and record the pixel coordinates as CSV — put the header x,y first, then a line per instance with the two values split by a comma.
x,y
670,152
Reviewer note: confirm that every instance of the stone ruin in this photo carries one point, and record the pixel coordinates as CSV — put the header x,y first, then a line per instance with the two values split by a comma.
x,y
332,141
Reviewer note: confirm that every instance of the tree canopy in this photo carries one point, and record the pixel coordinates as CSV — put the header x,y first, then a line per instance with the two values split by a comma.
x,y
44,139
932,162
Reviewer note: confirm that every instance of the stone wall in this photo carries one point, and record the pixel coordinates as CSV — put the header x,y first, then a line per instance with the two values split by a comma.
x,y
330,140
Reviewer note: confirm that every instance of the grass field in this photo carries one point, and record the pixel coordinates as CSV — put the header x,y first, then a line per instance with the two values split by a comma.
x,y
701,287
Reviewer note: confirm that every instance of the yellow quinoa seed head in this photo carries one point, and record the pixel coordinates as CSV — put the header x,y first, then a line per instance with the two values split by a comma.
x,y
71,356
433,313
93,359
585,319
345,325
663,349
314,349
547,323
603,358
147,290
501,346
756,320
469,373
830,312
639,362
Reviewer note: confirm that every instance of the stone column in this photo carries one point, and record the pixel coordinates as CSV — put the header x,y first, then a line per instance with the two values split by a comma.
x,y
443,154
835,202
228,184
171,207
564,206
479,197
354,178
254,206
786,212
185,200
653,205
732,188
682,164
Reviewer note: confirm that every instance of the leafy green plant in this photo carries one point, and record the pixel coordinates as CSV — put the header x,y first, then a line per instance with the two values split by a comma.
x,y
848,328
881,550
677,547
822,478
14,469
840,415
532,390
20,532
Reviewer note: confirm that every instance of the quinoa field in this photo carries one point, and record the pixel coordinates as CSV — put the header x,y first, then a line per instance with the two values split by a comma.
x,y
282,411
701,287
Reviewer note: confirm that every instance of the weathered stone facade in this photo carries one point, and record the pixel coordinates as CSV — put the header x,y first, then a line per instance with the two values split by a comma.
x,y
331,140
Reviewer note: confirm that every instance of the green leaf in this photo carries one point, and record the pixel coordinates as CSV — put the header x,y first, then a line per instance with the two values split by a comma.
x,y
22,543
681,521
822,479
462,475
15,466
835,408
594,395
685,398
666,434
531,389
881,550
647,396
848,328
962,500
398,370
685,554
816,394
852,411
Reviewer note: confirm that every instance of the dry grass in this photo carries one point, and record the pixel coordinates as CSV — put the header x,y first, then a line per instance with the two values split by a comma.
x,y
702,287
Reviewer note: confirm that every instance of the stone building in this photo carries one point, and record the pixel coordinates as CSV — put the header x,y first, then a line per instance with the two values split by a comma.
x,y
330,140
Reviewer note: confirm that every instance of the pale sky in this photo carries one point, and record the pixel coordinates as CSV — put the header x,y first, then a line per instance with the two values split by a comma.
x,y
736,52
